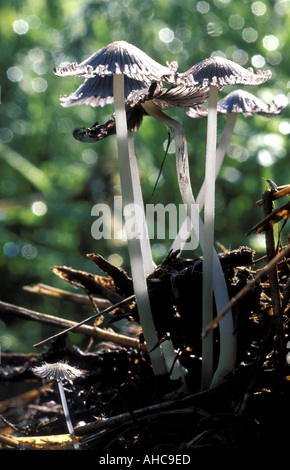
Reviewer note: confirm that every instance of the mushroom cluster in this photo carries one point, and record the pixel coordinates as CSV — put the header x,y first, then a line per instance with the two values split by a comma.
x,y
125,75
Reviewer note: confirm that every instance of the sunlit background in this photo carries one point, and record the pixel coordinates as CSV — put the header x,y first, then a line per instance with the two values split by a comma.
x,y
50,182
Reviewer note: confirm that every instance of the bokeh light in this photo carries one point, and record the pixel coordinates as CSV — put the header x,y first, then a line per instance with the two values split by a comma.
x,y
20,27
39,208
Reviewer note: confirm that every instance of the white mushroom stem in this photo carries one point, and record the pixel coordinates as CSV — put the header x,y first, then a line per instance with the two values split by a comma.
x,y
226,136
149,264
227,345
161,358
67,415
209,212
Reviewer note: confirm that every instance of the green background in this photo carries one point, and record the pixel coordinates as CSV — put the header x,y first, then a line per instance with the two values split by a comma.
x,y
40,162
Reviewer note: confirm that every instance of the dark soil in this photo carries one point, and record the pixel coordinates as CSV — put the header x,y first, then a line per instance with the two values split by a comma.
x,y
249,410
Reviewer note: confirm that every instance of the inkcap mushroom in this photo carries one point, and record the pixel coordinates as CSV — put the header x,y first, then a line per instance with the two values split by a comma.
x,y
58,372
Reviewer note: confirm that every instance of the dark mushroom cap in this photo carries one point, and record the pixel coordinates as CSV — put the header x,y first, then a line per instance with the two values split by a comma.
x,y
219,72
240,101
119,57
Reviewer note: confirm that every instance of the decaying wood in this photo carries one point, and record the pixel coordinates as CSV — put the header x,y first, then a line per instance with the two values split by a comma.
x,y
275,216
234,300
91,283
120,278
281,192
275,294
60,442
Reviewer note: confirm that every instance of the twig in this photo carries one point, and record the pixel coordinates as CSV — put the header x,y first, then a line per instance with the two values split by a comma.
x,y
234,300
274,217
282,191
138,414
275,294
65,295
103,335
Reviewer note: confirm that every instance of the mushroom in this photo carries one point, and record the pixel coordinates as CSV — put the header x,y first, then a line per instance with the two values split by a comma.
x,y
58,372
214,73
236,102
153,103
119,60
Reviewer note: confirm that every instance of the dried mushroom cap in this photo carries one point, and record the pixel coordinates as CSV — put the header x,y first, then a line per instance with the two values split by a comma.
x,y
57,371
119,57
164,98
217,71
179,96
241,101
197,112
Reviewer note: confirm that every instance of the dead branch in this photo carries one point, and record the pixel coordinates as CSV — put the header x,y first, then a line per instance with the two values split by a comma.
x,y
99,333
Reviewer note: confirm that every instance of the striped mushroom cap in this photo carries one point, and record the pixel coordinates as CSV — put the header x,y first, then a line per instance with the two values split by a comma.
x,y
217,71
238,102
58,371
241,101
119,57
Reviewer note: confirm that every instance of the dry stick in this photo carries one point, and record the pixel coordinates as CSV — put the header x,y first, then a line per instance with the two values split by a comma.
x,y
103,335
282,191
140,413
234,300
76,325
268,207
44,289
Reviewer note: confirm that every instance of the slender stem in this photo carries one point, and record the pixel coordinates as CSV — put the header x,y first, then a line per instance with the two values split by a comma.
x,y
179,242
227,347
209,210
134,244
149,264
67,415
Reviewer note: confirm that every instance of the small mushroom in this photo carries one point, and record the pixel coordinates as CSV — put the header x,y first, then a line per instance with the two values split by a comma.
x,y
214,73
218,72
236,102
58,372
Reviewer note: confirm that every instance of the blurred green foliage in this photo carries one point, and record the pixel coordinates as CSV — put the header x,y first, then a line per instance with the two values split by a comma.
x,y
50,182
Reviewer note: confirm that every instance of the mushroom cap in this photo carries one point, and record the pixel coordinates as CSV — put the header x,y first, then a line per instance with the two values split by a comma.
x,y
217,71
58,371
197,112
165,98
118,57
240,101
98,91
